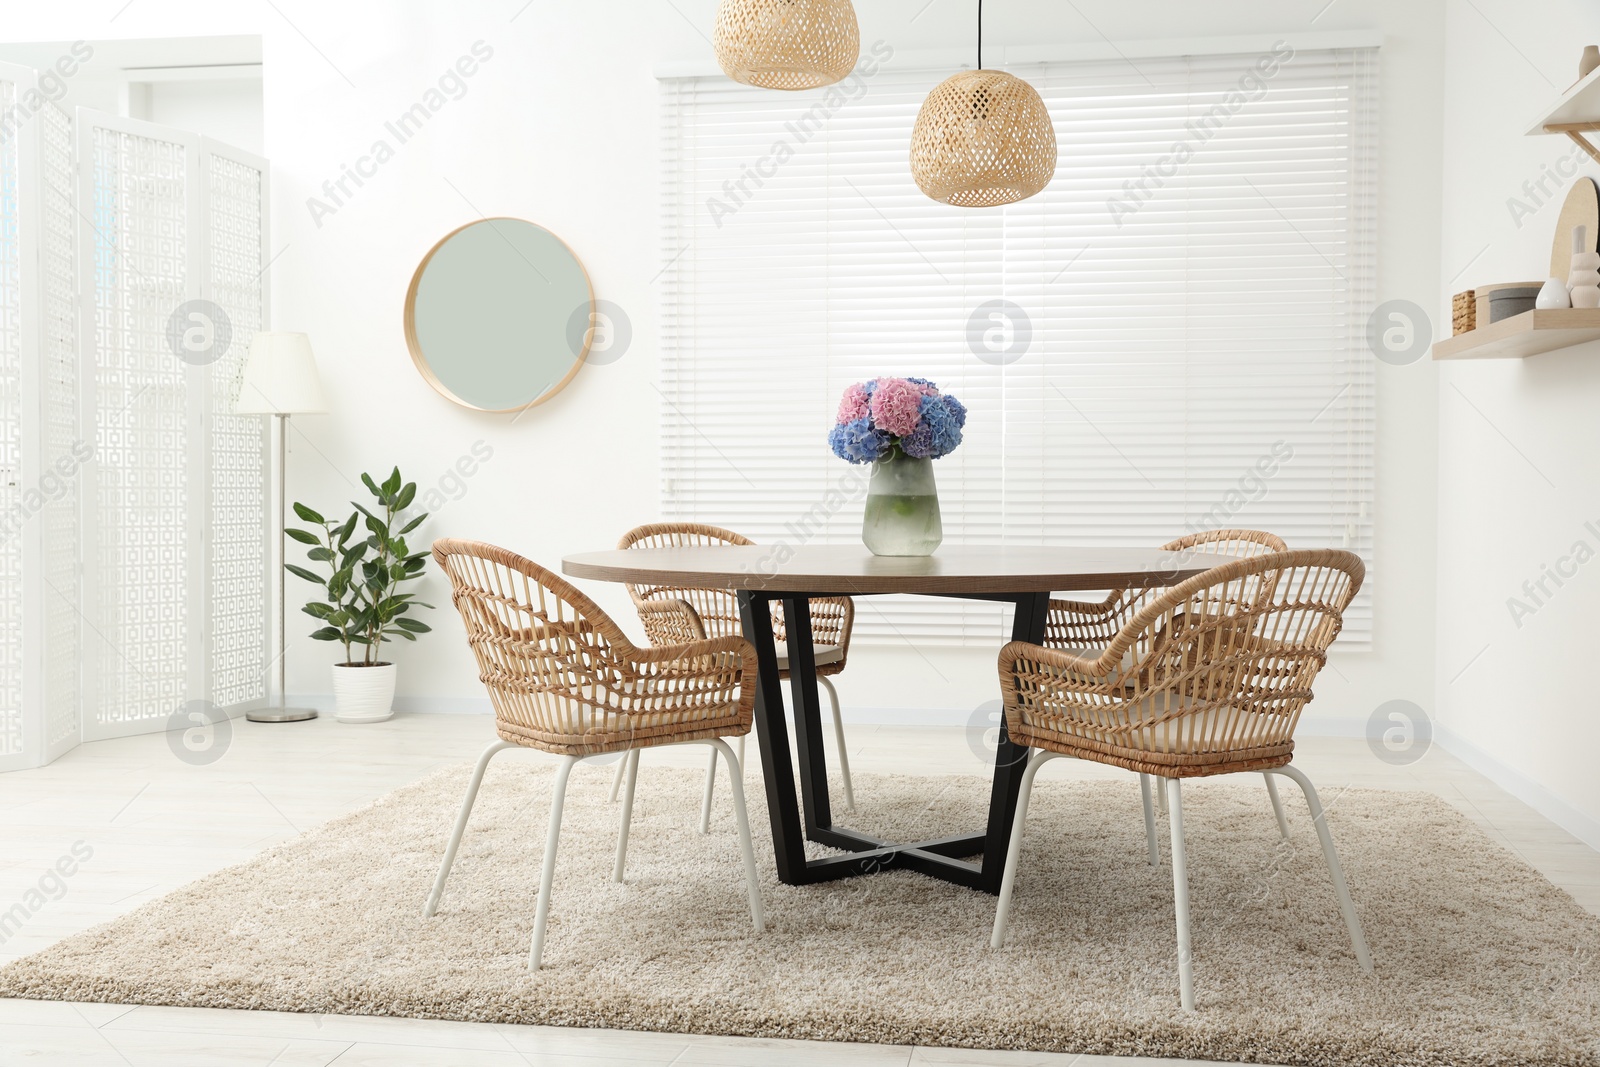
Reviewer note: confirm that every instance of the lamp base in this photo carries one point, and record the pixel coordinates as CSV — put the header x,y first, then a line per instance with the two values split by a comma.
x,y
278,714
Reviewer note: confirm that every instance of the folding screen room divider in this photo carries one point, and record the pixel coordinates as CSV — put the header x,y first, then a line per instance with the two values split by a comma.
x,y
134,526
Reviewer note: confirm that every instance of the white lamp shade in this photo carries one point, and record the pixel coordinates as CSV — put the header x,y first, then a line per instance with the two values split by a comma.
x,y
280,377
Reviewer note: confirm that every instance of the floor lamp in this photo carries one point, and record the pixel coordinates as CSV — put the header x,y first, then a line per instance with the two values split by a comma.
x,y
280,379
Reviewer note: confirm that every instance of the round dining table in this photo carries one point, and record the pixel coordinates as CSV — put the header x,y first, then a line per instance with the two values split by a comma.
x,y
760,575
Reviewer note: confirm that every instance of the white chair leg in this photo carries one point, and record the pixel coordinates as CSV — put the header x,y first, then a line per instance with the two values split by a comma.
x,y
740,750
616,777
1277,804
1008,880
1340,888
736,782
1180,893
1161,800
630,760
844,753
461,825
711,787
541,915
1149,821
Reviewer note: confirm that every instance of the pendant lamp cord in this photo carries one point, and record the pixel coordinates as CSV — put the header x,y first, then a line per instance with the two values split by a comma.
x,y
980,34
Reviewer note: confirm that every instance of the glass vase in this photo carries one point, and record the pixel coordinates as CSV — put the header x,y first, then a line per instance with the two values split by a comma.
x,y
902,517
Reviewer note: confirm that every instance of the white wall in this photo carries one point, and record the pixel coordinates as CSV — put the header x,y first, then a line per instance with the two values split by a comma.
x,y
560,126
1519,443
229,111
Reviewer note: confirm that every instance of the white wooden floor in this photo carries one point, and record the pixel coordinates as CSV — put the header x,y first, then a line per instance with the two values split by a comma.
x,y
156,822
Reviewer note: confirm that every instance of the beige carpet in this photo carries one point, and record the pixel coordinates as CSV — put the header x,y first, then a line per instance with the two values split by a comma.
x,y
1479,959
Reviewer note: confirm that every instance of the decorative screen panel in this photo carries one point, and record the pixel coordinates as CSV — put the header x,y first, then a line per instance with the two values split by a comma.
x,y
41,454
133,551
134,195
173,228
236,203
11,477
66,449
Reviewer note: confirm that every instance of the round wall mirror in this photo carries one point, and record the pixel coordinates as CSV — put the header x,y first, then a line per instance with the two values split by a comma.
x,y
488,312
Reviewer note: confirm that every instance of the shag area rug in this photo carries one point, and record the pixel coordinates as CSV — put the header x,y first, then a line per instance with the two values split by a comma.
x,y
1479,959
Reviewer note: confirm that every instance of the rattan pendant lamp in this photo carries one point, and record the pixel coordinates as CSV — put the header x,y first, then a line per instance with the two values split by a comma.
x,y
983,138
787,44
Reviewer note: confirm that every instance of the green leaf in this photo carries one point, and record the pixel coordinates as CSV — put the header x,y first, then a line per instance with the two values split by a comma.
x,y
327,633
370,484
307,515
414,625
401,633
407,494
320,555
391,484
319,610
301,572
347,529
305,537
415,565
413,524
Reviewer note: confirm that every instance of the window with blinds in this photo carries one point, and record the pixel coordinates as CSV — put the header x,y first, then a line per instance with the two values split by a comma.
x,y
1169,338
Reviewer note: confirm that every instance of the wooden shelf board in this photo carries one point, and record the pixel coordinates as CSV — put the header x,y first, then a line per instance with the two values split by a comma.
x,y
1523,335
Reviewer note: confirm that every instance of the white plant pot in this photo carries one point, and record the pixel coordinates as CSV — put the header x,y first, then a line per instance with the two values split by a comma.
x,y
363,694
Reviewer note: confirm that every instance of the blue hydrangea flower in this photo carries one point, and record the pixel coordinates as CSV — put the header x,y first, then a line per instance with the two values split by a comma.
x,y
859,441
938,432
958,411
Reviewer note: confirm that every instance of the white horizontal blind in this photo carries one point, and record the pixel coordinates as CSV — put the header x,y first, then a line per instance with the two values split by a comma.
x,y
1193,290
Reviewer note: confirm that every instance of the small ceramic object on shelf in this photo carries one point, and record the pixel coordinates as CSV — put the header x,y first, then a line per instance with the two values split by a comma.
x,y
1589,61
1553,295
1580,207
1584,281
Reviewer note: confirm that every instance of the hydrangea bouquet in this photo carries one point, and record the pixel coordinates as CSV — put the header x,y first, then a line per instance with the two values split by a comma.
x,y
910,414
899,425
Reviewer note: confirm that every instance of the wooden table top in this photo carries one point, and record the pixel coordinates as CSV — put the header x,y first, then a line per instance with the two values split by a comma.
x,y
851,569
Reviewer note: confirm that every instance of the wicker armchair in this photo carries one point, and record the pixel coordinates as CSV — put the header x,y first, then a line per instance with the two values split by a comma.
x,y
1078,624
564,679
673,614
1087,627
1207,678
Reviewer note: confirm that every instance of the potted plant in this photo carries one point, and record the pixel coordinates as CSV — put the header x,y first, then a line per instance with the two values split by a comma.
x,y
363,605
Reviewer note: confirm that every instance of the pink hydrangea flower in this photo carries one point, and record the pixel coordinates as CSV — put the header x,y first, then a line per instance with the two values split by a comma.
x,y
853,405
896,406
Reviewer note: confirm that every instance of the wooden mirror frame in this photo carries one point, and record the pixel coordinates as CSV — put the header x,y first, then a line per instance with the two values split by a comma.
x,y
414,346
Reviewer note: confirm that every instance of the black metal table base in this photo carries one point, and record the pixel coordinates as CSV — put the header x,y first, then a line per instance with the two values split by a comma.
x,y
795,820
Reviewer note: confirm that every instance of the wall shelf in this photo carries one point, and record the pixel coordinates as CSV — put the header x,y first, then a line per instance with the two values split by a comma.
x,y
1520,336
1575,114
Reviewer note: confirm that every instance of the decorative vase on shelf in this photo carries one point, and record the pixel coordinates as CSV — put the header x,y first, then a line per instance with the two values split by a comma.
x,y
902,516
1553,295
1584,282
900,426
